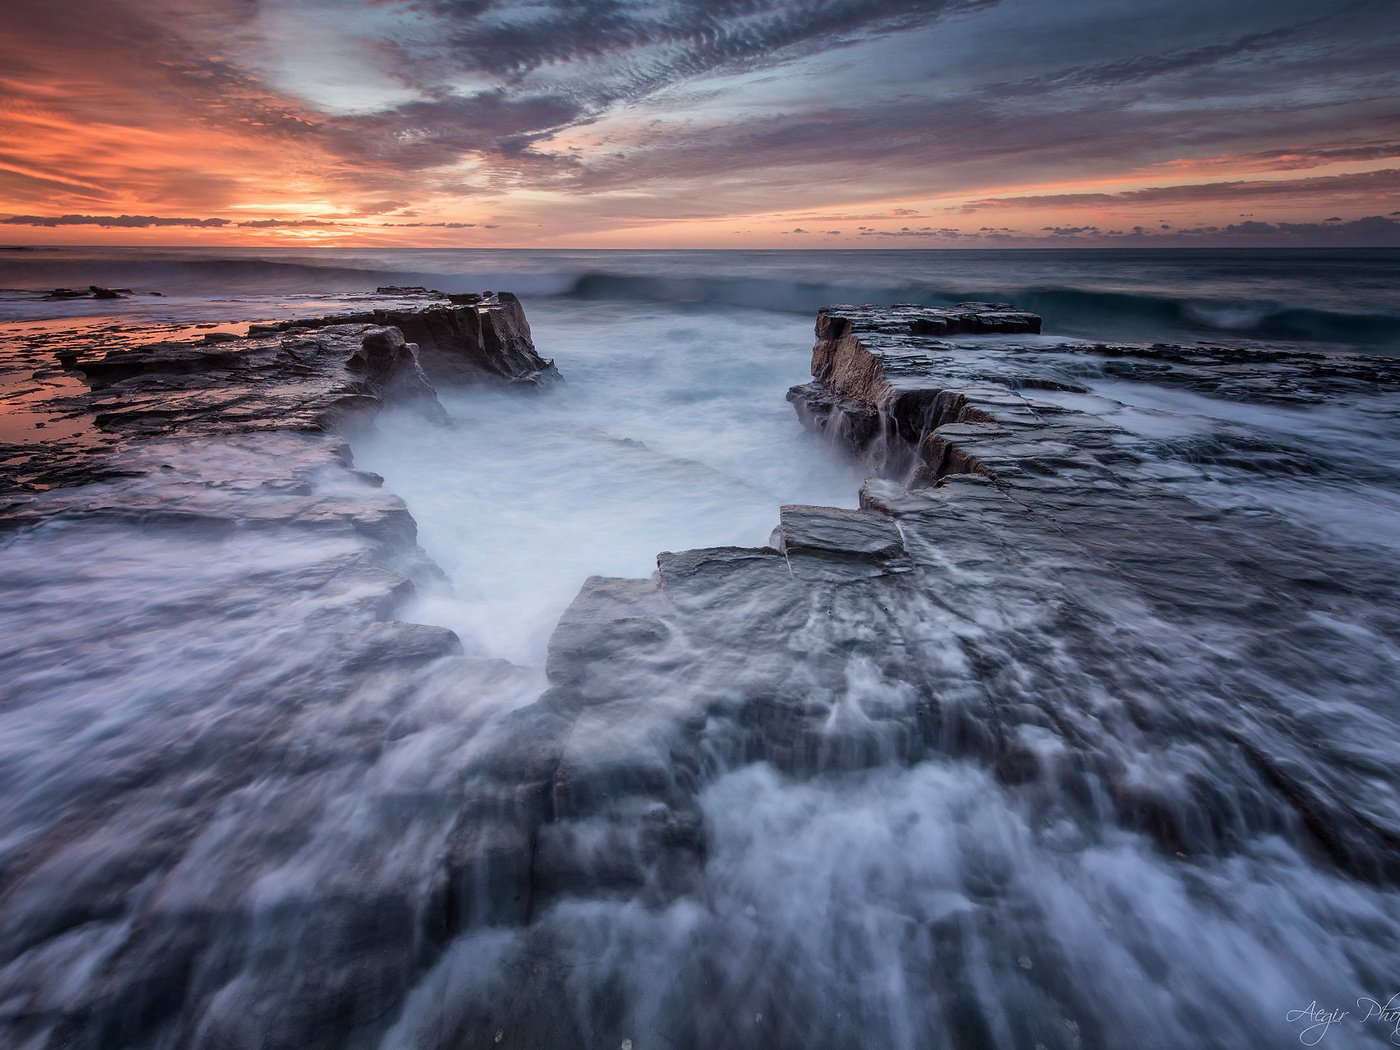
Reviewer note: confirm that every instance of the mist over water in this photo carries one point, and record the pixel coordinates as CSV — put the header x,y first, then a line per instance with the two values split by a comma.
x,y
226,807
670,432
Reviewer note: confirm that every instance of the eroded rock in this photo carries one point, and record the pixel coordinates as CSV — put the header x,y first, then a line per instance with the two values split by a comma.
x,y
308,375
466,339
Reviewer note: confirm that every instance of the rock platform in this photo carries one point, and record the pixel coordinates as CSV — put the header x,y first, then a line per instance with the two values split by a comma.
x,y
309,374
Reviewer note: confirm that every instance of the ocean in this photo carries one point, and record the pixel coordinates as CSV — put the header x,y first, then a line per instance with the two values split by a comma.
x,y
191,838
1332,296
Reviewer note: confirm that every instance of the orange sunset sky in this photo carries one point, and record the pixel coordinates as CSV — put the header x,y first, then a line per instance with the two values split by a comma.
x,y
603,123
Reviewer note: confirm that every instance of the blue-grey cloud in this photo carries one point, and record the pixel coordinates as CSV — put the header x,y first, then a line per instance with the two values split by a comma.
x,y
110,221
1366,184
632,47
1145,66
745,105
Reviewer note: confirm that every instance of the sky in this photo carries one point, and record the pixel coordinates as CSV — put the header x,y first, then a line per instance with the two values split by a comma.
x,y
701,123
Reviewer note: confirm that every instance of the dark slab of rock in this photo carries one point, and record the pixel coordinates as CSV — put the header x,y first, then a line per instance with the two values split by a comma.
x,y
830,543
301,374
1050,597
205,500
91,292
469,339
314,382
1055,610
228,542
897,387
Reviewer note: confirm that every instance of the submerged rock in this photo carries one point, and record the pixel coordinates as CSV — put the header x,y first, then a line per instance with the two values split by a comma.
x,y
90,292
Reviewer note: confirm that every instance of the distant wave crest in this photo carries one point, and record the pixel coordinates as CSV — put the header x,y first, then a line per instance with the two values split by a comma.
x,y
1092,313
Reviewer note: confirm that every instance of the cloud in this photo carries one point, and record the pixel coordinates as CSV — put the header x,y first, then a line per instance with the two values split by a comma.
x,y
1145,66
1369,231
111,221
1329,187
1316,156
292,224
923,232
147,221
436,132
580,115
627,49
1373,230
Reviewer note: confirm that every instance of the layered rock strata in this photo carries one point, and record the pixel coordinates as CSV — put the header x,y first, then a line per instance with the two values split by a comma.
x,y
870,384
1055,600
183,511
312,374
460,338
1060,608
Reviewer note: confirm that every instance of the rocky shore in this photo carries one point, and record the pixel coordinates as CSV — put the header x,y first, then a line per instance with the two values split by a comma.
x,y
1001,515
214,476
312,374
1027,588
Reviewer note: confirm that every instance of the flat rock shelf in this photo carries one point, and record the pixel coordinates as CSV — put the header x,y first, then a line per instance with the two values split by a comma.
x,y
1029,590
983,762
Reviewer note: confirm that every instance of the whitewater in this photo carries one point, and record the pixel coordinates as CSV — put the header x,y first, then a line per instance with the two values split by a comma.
x,y
218,830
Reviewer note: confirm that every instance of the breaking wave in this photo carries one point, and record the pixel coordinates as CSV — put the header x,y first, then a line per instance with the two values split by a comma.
x,y
1139,299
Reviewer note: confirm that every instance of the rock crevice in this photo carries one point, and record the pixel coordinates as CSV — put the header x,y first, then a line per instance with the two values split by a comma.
x,y
871,387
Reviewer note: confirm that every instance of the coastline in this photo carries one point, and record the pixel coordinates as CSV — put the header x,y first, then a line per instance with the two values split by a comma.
x,y
1015,537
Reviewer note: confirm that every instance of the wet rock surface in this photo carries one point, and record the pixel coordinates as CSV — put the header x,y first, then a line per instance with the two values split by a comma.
x,y
989,761
885,382
194,569
72,402
461,338
241,587
1058,604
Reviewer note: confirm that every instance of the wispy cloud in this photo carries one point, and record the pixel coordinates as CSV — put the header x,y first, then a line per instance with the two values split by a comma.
x,y
1367,185
573,117
131,222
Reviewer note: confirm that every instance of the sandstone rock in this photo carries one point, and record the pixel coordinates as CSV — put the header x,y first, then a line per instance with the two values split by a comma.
x,y
974,607
391,365
830,543
469,339
871,367
298,374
